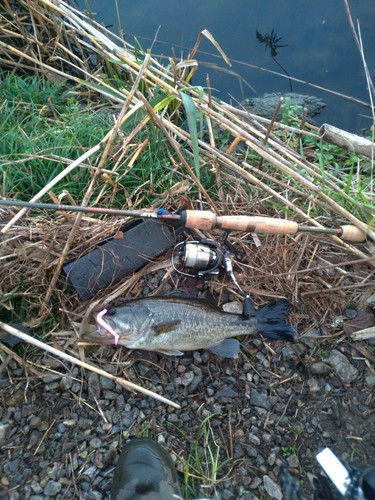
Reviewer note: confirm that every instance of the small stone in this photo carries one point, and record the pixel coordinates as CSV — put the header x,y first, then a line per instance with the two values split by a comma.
x,y
70,423
85,486
107,383
195,382
362,408
35,422
11,466
272,488
342,367
293,461
259,399
271,459
94,386
109,395
98,460
90,472
227,495
93,495
187,378
288,354
173,418
370,380
313,385
52,387
3,433
96,442
52,488
233,307
351,313
255,483
109,457
61,428
311,337
267,438
227,392
197,356
320,368
252,452
66,383
254,439
48,379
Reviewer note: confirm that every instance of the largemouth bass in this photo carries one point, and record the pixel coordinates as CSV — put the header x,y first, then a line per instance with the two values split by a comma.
x,y
172,325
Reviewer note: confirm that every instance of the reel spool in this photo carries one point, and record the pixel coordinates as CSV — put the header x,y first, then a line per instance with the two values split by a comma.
x,y
205,256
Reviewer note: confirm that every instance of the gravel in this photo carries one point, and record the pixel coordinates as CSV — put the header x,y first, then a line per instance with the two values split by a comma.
x,y
61,434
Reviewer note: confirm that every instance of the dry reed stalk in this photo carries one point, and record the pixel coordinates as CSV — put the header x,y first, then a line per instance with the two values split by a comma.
x,y
173,143
278,179
111,136
278,155
21,361
366,334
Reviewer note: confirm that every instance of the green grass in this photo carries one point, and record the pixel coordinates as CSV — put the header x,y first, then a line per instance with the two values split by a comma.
x,y
323,354
43,124
287,451
208,461
350,172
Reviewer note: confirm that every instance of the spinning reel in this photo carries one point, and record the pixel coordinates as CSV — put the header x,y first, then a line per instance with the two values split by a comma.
x,y
207,257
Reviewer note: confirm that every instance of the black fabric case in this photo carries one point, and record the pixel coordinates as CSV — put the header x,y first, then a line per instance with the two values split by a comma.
x,y
142,241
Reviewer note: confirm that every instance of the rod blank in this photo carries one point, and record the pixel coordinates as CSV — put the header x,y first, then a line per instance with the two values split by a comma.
x,y
206,220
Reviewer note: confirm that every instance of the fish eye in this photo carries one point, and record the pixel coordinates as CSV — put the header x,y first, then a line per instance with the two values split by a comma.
x,y
112,311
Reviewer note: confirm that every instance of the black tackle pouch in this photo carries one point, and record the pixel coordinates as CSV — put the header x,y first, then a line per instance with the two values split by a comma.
x,y
111,261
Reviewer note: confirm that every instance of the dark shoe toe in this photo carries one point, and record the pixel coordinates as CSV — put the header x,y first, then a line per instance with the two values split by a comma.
x,y
145,472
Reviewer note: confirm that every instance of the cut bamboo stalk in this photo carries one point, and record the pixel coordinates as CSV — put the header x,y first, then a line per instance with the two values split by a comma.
x,y
346,140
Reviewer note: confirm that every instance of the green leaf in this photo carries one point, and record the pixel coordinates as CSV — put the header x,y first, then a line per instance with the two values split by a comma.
x,y
104,90
192,115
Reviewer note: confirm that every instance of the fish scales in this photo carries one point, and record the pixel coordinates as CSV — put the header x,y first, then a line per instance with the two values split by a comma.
x,y
171,325
190,326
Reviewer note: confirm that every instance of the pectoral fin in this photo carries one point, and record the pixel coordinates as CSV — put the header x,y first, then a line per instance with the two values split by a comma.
x,y
228,348
166,327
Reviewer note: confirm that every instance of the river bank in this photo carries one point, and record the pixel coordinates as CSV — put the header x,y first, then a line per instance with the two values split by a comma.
x,y
132,129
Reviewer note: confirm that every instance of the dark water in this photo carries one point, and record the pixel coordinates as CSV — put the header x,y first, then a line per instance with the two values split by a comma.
x,y
320,46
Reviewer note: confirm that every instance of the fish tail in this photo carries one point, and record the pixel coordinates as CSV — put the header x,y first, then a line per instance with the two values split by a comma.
x,y
273,321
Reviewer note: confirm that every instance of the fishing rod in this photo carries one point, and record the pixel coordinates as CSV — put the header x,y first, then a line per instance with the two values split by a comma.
x,y
206,220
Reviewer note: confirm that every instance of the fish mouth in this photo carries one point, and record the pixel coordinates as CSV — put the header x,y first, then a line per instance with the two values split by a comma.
x,y
107,326
104,333
97,334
